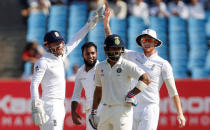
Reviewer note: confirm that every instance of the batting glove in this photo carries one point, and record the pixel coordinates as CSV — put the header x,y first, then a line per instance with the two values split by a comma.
x,y
181,119
131,99
97,16
93,119
39,116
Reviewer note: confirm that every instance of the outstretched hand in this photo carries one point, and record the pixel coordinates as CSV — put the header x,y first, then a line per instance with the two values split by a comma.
x,y
97,16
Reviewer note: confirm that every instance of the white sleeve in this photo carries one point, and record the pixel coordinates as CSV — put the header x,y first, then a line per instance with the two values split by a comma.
x,y
97,77
167,71
77,38
77,90
123,9
134,71
39,71
171,87
128,54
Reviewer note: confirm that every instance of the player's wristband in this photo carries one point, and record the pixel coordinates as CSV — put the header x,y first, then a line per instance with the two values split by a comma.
x,y
130,94
93,112
141,85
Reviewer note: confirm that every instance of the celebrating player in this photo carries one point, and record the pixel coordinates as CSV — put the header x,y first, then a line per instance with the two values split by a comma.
x,y
146,114
113,88
49,112
85,79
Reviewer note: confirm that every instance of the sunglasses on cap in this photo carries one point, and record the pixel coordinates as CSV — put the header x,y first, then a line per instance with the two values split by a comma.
x,y
147,40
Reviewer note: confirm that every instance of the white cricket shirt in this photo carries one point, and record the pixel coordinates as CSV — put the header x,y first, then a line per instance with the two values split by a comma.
x,y
85,80
116,81
49,71
157,68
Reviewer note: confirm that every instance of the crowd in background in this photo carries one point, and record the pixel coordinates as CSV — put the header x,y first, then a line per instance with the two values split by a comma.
x,y
138,8
120,9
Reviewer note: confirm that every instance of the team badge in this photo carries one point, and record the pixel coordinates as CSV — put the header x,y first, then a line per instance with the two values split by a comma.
x,y
102,72
119,70
57,34
116,41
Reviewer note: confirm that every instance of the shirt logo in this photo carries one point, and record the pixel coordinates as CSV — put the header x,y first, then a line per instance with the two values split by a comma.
x,y
119,70
139,61
37,68
153,66
102,72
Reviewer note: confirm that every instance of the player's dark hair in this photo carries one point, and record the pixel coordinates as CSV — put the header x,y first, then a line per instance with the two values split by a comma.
x,y
87,45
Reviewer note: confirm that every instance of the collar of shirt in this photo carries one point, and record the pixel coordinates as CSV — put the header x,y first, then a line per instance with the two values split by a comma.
x,y
93,69
50,55
118,62
152,56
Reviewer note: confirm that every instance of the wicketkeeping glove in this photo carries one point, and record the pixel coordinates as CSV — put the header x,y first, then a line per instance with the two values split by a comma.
x,y
39,116
97,16
131,99
93,119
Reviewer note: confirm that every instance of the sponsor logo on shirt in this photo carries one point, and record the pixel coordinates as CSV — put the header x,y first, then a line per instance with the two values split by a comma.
x,y
139,61
153,66
102,72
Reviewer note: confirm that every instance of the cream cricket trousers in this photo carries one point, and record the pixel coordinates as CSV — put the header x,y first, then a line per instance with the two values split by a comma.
x,y
146,117
116,117
55,109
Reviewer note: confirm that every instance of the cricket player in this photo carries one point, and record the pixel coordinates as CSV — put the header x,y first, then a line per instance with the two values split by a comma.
x,y
85,80
113,88
146,114
48,111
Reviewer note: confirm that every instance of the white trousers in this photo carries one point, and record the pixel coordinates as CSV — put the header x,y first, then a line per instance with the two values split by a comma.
x,y
56,111
116,118
146,117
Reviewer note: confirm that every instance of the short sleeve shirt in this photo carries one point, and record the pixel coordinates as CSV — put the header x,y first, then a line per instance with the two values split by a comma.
x,y
116,80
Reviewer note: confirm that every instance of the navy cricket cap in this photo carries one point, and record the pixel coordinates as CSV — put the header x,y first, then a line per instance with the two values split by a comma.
x,y
113,41
53,36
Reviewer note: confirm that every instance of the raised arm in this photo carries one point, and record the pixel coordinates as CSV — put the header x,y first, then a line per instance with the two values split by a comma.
x,y
91,23
107,28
